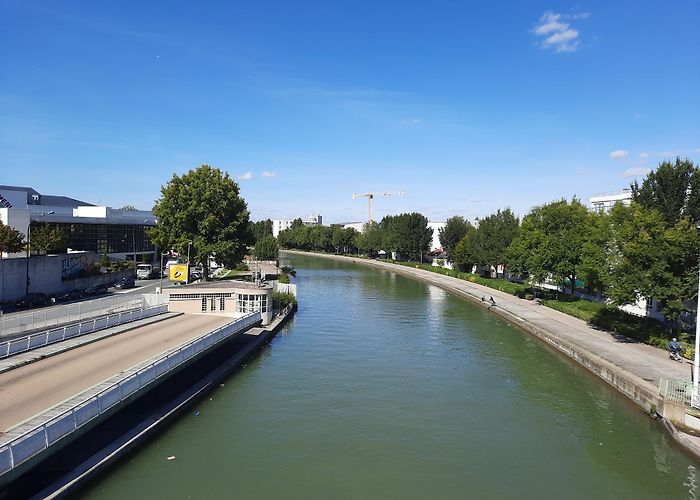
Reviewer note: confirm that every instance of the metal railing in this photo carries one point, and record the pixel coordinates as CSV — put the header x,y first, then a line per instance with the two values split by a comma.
x,y
36,440
41,339
677,391
47,317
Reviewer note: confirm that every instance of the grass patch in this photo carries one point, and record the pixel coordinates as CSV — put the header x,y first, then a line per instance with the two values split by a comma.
x,y
581,309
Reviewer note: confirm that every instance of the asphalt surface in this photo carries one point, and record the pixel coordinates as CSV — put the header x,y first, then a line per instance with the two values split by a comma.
x,y
31,389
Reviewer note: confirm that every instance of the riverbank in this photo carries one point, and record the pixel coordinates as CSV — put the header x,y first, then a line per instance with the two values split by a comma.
x,y
634,369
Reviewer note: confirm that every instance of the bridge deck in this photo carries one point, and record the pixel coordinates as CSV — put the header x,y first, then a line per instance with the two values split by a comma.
x,y
31,389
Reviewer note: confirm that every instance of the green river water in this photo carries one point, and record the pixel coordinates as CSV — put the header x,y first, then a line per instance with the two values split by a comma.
x,y
383,387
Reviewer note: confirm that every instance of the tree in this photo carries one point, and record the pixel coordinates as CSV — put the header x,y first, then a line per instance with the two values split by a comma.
x,y
673,189
128,207
11,240
266,248
650,260
407,234
48,238
455,229
260,229
465,253
371,240
595,254
202,206
550,242
494,236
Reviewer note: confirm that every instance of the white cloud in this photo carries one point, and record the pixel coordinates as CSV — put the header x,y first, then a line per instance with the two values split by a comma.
x,y
246,176
637,116
636,172
267,173
555,32
696,150
644,155
619,154
667,153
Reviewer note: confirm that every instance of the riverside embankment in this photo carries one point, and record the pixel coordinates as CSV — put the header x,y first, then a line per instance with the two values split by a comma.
x,y
634,369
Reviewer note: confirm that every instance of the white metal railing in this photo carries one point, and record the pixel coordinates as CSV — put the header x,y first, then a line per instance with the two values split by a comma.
x,y
678,391
47,317
36,440
48,337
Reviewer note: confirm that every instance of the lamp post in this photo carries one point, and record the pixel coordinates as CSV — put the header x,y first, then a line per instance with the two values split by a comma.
x,y
29,243
696,359
188,252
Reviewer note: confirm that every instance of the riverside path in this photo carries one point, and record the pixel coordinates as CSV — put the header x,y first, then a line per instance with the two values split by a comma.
x,y
33,388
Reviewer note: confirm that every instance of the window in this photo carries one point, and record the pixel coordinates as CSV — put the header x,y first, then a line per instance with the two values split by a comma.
x,y
204,304
251,303
222,304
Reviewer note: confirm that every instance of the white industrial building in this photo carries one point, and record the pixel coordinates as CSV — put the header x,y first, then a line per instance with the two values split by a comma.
x,y
119,234
603,202
279,225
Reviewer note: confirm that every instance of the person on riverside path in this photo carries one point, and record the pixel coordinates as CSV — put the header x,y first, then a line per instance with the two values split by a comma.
x,y
675,348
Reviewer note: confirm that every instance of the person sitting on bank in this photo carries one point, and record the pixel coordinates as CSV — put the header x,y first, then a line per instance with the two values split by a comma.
x,y
493,302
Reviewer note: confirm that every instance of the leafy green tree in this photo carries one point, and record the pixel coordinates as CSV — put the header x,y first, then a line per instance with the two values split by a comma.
x,y
260,229
204,207
494,236
128,207
673,189
594,269
465,253
297,223
651,260
455,229
371,240
266,248
11,240
407,234
342,239
48,238
550,242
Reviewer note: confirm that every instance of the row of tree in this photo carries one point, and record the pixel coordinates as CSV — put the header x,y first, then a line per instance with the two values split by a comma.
x,y
45,238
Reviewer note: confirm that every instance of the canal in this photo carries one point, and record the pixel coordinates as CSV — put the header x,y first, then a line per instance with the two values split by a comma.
x,y
385,387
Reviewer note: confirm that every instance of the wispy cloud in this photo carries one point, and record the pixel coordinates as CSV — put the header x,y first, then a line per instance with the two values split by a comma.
x,y
619,154
643,155
696,150
554,31
267,173
246,176
411,121
636,172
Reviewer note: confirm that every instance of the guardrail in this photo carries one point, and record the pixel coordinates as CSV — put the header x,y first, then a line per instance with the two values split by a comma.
x,y
36,340
38,439
47,317
678,391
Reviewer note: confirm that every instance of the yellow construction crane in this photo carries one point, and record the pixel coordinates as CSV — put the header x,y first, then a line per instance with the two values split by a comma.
x,y
369,197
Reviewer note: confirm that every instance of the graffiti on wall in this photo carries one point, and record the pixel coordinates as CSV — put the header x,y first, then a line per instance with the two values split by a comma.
x,y
75,263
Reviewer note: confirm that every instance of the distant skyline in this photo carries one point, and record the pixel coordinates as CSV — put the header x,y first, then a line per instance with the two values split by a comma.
x,y
466,108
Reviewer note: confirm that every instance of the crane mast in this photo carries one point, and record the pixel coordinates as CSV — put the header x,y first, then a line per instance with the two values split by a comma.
x,y
370,196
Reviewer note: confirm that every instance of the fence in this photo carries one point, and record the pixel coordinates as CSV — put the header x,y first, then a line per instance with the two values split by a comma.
x,y
47,317
678,391
284,288
48,337
36,440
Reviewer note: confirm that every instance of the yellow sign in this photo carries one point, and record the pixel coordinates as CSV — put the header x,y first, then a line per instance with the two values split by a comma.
x,y
178,272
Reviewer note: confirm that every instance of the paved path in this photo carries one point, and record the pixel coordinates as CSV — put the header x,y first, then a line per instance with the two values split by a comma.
x,y
646,362
35,387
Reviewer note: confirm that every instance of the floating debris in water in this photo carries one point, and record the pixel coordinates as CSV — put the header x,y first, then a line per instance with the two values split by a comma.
x,y
171,457
196,413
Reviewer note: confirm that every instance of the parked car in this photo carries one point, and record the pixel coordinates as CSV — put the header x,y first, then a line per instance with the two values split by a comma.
x,y
96,290
125,282
74,294
33,300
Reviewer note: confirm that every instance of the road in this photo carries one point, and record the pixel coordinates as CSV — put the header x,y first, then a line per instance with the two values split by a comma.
x,y
21,323
33,388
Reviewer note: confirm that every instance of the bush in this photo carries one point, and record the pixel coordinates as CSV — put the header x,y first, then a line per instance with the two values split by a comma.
x,y
283,299
242,266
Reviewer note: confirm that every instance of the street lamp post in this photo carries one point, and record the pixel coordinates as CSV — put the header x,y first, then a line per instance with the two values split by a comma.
x,y
188,252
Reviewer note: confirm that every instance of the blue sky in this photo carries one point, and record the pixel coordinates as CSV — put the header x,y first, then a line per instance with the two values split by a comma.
x,y
465,106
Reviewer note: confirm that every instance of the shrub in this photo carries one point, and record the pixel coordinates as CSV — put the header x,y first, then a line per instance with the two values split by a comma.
x,y
283,299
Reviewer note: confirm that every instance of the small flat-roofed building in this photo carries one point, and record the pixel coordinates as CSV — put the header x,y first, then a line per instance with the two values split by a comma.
x,y
223,298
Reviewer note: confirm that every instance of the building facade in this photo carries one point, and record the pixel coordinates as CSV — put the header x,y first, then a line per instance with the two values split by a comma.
x,y
279,225
119,234
603,202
